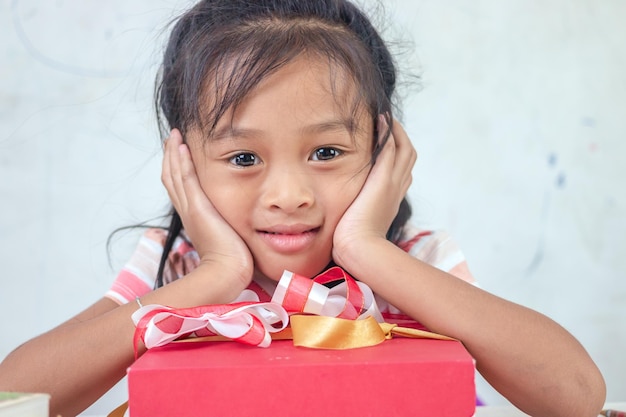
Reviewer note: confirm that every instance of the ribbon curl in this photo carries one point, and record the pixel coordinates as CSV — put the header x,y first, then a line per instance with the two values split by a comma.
x,y
249,322
342,317
348,299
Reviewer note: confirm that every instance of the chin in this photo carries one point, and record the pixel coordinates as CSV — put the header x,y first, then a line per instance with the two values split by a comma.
x,y
275,273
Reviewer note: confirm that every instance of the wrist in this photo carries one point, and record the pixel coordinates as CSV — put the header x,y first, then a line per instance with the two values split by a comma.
x,y
230,274
354,255
211,282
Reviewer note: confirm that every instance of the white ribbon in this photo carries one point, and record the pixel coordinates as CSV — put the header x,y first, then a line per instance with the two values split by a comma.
x,y
239,322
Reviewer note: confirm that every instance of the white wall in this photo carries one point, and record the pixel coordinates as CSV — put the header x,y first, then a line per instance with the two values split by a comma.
x,y
520,124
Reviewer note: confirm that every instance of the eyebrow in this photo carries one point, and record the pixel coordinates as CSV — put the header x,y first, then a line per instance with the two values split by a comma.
x,y
337,125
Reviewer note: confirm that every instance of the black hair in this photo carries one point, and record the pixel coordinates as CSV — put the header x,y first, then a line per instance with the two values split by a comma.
x,y
219,50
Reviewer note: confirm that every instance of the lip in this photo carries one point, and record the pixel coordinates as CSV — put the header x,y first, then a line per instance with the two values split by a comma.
x,y
289,238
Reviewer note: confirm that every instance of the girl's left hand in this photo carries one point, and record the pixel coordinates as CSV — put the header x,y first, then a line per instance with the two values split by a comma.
x,y
371,213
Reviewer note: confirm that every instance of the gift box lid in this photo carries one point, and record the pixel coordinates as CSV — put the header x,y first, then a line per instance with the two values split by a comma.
x,y
399,377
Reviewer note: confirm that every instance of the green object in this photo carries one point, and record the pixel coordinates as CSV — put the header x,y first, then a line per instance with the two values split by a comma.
x,y
4,396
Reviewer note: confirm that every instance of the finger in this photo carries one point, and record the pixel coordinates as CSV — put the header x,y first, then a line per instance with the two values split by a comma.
x,y
195,198
166,171
407,155
176,186
192,189
165,166
401,156
387,152
185,185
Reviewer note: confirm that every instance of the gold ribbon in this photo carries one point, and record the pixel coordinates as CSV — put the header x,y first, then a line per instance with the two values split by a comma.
x,y
119,411
322,332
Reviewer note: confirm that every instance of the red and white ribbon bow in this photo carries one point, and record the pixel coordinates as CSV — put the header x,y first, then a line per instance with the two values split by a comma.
x,y
249,321
348,299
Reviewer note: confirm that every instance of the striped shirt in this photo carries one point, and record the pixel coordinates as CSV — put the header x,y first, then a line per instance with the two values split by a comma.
x,y
138,276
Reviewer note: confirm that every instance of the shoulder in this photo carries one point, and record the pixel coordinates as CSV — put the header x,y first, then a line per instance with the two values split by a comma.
x,y
138,276
156,238
428,245
436,248
151,241
155,235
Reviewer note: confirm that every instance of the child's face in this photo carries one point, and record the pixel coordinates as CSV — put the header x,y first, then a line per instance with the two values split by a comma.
x,y
283,174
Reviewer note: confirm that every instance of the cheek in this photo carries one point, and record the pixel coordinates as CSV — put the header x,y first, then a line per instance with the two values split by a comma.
x,y
228,204
218,186
346,192
219,190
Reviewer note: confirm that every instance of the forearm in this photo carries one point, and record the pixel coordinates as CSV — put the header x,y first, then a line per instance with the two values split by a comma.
x,y
78,361
75,363
529,358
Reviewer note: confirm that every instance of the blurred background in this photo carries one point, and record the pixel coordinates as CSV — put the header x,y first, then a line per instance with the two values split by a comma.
x,y
519,117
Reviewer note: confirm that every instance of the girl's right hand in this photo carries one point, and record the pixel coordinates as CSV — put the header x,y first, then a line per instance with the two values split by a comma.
x,y
213,238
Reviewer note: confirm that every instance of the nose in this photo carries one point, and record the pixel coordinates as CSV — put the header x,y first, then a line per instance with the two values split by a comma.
x,y
287,190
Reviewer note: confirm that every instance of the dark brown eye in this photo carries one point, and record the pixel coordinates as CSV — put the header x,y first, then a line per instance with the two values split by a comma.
x,y
244,159
325,154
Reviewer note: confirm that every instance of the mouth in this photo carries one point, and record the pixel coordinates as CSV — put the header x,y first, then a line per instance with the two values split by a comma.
x,y
289,239
290,230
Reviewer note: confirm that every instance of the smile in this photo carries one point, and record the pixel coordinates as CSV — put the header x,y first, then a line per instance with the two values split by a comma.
x,y
289,239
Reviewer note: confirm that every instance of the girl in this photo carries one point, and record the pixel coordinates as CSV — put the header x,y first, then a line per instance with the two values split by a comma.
x,y
283,154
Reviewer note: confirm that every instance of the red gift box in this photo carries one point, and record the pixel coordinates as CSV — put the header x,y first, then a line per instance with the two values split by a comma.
x,y
399,377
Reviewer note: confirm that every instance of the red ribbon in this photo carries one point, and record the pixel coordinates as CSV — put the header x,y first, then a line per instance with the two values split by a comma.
x,y
252,320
